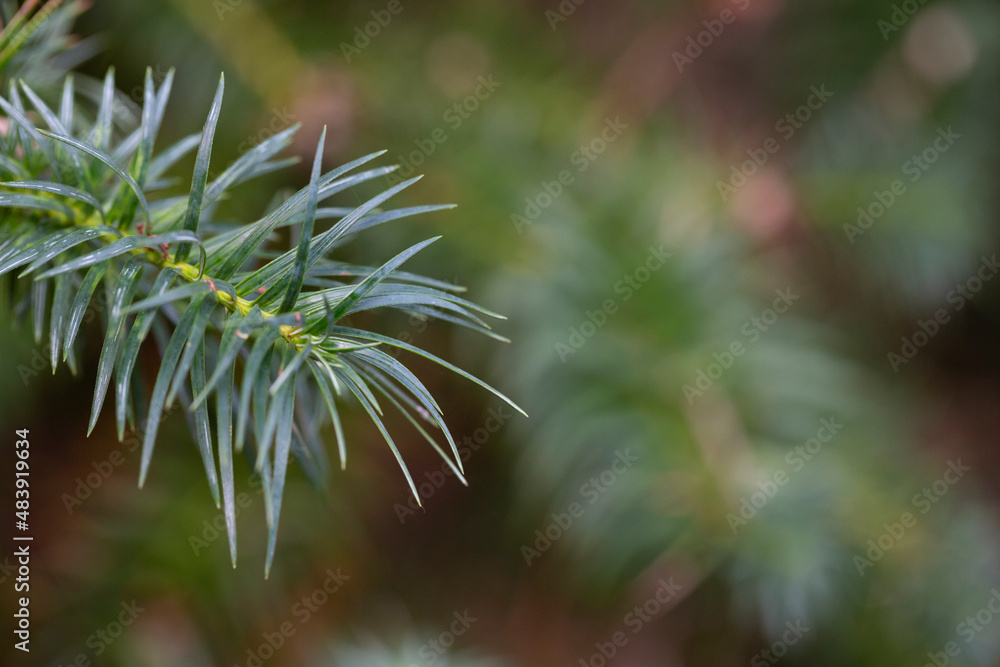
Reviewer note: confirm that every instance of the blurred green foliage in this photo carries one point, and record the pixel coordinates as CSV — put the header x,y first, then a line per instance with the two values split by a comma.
x,y
824,358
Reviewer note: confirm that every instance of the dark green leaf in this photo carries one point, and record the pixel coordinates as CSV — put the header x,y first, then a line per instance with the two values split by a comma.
x,y
282,448
250,240
195,337
66,105
80,304
109,161
170,156
327,390
120,247
265,435
18,117
162,96
56,246
251,372
261,403
320,245
60,308
26,248
140,328
374,219
167,365
127,282
224,424
358,333
202,431
200,177
256,155
10,200
39,302
185,291
362,394
288,372
61,190
234,336
302,254
374,279
100,137
43,109
437,448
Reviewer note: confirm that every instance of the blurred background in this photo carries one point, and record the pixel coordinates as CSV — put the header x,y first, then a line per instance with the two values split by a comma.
x,y
746,249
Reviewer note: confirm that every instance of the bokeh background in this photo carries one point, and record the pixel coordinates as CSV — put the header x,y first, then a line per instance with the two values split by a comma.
x,y
692,506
